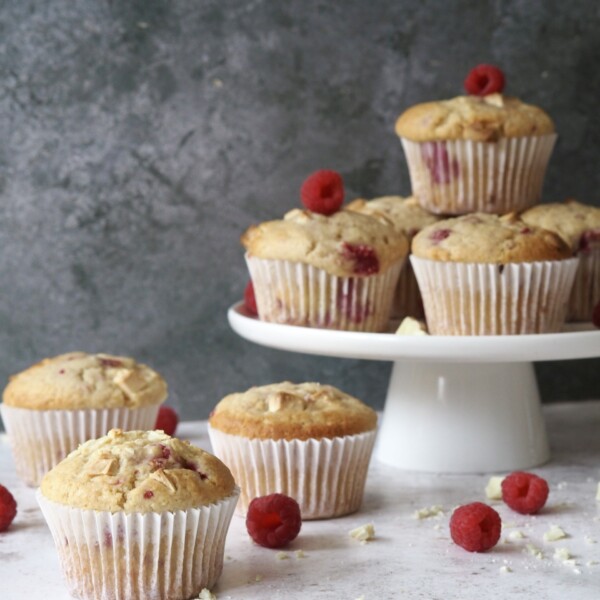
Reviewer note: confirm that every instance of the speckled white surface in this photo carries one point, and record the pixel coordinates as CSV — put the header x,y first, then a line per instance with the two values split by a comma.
x,y
409,558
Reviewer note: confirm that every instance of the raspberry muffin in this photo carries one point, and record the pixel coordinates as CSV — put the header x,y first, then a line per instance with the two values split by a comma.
x,y
61,402
139,515
335,271
408,217
476,153
481,274
579,225
309,441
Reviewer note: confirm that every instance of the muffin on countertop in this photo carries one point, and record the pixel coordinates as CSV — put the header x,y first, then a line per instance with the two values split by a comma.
x,y
79,380
309,441
408,217
138,471
140,515
60,402
481,274
579,225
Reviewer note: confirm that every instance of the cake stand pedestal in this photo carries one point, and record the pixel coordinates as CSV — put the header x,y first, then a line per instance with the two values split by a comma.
x,y
454,404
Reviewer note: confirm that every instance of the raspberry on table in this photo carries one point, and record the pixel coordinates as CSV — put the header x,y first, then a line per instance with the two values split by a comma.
x,y
475,527
323,192
273,521
167,420
525,493
8,508
250,299
483,80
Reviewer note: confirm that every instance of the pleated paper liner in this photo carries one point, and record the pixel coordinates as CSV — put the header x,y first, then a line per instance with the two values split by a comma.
x,y
40,439
139,556
300,294
326,477
491,299
456,177
586,289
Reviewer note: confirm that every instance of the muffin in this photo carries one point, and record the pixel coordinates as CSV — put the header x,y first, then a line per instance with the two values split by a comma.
x,y
482,274
58,403
309,441
579,225
408,217
139,515
334,271
476,153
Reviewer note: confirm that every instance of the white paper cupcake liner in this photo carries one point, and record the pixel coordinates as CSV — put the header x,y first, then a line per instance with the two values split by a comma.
x,y
300,294
461,176
586,289
139,556
326,477
491,299
40,439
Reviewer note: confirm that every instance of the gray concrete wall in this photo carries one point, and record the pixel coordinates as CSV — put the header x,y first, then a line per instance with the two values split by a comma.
x,y
138,139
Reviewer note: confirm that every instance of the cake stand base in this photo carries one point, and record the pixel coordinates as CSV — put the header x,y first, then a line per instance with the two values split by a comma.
x,y
462,418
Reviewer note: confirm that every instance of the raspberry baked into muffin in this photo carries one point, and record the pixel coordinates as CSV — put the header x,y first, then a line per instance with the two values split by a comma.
x,y
139,515
408,217
61,402
579,225
309,441
483,152
481,274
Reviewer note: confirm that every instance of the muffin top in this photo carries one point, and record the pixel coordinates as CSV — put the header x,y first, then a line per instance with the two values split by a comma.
x,y
288,411
343,244
405,214
478,118
576,223
485,238
138,471
78,380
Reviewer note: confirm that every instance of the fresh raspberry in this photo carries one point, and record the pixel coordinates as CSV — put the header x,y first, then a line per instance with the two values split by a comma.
x,y
525,493
274,520
323,192
475,527
8,508
364,258
596,315
167,420
483,80
250,299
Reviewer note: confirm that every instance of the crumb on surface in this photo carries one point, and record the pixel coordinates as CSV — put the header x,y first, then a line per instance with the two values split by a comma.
x,y
563,554
206,594
300,554
554,533
282,556
534,551
363,533
505,569
428,511
516,535
493,489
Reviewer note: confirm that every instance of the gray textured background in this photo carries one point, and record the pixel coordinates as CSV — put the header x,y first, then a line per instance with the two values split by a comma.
x,y
138,139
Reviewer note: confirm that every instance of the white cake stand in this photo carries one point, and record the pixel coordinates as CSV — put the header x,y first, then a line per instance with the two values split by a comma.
x,y
454,404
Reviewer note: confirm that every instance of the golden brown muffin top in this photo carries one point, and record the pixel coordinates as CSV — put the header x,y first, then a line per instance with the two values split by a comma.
x,y
485,238
78,380
138,471
343,244
288,411
574,221
405,214
479,118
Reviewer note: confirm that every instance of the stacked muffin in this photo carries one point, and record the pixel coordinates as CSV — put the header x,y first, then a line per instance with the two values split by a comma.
x,y
481,156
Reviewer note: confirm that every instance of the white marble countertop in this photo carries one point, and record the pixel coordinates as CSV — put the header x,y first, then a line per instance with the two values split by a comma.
x,y
410,558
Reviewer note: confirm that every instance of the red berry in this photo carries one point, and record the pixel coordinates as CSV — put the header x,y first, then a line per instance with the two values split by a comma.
x,y
438,235
323,192
250,299
274,520
525,493
364,258
483,80
475,527
596,315
8,508
167,420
